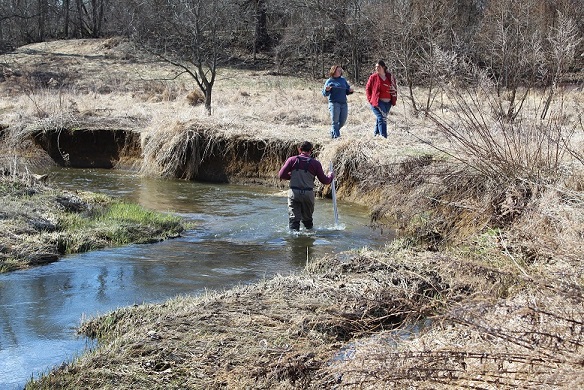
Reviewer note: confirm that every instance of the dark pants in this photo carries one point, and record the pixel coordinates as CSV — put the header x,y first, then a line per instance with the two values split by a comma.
x,y
300,208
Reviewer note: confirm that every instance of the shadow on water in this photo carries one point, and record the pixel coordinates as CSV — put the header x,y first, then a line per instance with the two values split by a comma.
x,y
240,236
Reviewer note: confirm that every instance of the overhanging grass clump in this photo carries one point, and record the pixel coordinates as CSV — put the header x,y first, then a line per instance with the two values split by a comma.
x,y
206,151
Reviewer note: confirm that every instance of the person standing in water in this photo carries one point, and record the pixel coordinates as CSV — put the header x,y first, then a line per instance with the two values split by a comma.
x,y
381,92
301,171
336,88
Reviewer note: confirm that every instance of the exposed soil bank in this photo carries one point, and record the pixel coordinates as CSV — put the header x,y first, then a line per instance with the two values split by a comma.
x,y
90,148
203,156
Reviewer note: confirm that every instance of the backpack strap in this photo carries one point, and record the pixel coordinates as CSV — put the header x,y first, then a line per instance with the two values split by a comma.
x,y
298,162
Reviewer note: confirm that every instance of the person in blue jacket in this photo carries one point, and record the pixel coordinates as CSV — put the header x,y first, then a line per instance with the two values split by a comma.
x,y
336,88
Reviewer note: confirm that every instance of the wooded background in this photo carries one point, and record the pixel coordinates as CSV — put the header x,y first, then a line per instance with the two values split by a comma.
x,y
519,42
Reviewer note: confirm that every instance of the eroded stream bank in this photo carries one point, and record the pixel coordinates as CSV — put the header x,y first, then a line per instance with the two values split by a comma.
x,y
487,302
191,154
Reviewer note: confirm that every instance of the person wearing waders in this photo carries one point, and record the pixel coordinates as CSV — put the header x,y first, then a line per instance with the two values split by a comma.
x,y
301,171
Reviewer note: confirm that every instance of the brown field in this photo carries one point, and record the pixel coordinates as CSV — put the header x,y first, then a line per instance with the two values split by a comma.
x,y
482,290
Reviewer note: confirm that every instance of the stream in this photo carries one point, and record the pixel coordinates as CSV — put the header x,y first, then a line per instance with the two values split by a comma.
x,y
240,236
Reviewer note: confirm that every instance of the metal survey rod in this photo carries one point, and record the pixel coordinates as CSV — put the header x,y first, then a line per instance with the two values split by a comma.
x,y
334,194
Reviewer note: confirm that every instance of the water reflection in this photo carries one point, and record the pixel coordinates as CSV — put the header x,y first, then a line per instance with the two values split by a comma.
x,y
240,236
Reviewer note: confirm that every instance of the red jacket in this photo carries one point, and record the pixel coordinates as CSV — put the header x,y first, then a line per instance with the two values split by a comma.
x,y
374,85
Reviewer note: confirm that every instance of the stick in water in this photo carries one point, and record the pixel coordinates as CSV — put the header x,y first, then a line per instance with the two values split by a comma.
x,y
334,194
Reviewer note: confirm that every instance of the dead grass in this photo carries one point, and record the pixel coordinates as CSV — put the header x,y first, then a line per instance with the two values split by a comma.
x,y
531,341
495,278
280,333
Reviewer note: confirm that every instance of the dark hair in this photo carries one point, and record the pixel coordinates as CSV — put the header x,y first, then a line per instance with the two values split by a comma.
x,y
306,146
382,64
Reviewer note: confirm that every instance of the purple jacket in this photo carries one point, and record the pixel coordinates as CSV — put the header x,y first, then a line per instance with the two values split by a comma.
x,y
314,167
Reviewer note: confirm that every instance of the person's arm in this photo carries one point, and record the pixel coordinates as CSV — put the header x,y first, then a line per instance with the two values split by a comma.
x,y
369,88
286,170
349,89
326,89
319,173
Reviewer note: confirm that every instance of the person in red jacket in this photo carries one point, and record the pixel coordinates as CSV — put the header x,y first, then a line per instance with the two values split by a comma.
x,y
301,171
381,91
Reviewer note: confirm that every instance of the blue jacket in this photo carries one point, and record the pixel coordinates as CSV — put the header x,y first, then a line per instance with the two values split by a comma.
x,y
339,91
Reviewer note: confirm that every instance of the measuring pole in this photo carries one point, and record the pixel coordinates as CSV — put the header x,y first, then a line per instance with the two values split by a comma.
x,y
334,194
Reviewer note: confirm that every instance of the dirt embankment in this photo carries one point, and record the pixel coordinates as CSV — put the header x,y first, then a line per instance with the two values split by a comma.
x,y
198,154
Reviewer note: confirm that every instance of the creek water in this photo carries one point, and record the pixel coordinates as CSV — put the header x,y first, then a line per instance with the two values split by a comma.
x,y
240,235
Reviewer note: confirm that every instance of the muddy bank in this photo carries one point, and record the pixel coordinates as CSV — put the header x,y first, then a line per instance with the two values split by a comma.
x,y
81,148
196,154
189,153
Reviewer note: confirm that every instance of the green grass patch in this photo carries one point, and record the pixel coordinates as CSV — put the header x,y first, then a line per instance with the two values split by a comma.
x,y
115,223
132,213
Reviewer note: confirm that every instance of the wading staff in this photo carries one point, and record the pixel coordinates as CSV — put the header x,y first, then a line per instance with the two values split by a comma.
x,y
334,194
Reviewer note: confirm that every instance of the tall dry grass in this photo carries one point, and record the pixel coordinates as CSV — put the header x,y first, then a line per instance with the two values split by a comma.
x,y
533,340
464,159
497,200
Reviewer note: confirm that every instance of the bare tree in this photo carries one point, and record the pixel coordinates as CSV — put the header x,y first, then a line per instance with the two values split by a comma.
x,y
261,38
189,34
511,45
563,41
90,17
319,33
418,44
420,40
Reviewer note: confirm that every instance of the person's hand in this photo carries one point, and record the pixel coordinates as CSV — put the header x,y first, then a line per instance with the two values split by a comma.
x,y
332,175
328,88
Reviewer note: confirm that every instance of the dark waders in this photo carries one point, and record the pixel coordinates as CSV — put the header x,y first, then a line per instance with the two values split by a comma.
x,y
300,208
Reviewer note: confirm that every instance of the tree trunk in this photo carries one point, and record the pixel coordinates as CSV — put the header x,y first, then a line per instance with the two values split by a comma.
x,y
66,17
79,18
262,38
42,15
208,94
